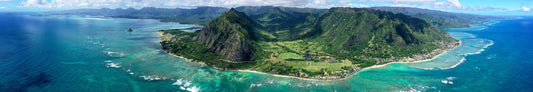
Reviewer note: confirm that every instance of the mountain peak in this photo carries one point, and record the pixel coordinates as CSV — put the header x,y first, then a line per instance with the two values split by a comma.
x,y
234,16
232,9
229,36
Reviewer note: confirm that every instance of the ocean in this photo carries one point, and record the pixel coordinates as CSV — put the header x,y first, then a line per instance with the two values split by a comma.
x,y
97,54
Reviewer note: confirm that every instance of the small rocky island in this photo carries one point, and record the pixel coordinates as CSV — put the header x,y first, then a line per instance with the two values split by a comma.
x,y
129,30
327,46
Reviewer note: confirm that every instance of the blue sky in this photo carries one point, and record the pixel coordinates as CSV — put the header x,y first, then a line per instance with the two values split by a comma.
x,y
488,7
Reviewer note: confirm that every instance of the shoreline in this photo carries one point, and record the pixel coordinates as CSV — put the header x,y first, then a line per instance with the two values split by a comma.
x,y
287,76
417,61
357,71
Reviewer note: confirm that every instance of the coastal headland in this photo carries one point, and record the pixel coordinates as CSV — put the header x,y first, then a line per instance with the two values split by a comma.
x,y
327,46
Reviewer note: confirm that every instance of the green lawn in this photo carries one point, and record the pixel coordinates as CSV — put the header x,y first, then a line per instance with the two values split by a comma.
x,y
290,56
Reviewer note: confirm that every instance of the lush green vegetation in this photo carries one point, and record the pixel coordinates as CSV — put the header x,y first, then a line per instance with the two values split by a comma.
x,y
327,45
363,62
182,43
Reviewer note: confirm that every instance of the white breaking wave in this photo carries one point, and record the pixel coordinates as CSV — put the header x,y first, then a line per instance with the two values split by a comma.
x,y
482,48
416,88
455,65
152,77
114,54
490,44
193,89
451,78
255,85
129,71
447,82
184,85
113,65
466,54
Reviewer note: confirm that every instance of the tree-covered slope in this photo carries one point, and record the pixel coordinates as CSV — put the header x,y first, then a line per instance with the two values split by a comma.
x,y
280,25
225,42
230,35
353,31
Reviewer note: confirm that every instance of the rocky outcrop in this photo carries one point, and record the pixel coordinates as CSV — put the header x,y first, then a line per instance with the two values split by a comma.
x,y
230,36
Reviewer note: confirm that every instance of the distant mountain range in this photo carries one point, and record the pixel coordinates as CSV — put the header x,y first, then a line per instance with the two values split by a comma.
x,y
441,19
202,15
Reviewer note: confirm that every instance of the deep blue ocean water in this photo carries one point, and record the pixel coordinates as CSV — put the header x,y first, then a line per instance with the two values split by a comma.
x,y
90,53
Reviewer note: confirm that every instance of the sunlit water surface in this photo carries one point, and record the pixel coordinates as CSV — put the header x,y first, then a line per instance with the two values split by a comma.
x,y
88,53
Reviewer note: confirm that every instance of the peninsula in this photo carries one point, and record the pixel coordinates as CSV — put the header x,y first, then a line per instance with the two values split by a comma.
x,y
330,45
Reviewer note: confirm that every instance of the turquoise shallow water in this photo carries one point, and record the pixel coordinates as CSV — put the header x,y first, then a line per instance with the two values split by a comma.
x,y
87,53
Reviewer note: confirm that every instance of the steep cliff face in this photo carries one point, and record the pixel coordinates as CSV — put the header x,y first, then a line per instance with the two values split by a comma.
x,y
230,36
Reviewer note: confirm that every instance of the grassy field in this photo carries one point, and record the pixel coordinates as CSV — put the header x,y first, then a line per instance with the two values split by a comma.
x,y
290,56
290,53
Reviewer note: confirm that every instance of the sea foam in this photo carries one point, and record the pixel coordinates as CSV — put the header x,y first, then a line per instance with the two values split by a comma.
x,y
491,42
185,85
255,85
114,54
113,65
152,77
193,89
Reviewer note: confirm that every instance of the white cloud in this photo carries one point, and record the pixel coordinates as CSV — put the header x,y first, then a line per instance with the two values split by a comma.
x,y
435,4
223,3
152,3
456,3
526,8
5,0
481,8
357,5
404,5
3,8
449,4
405,0
36,3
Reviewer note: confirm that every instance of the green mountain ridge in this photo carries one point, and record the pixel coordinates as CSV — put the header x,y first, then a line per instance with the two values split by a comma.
x,y
329,45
